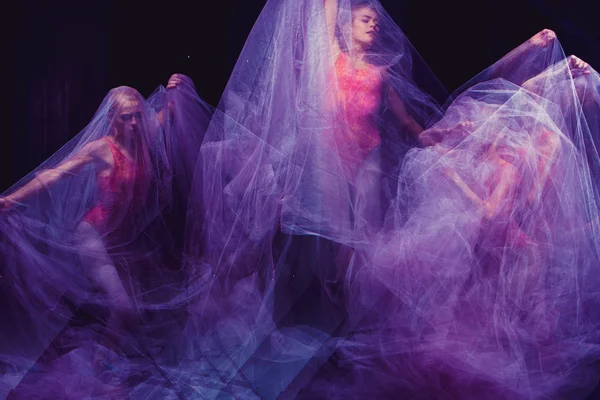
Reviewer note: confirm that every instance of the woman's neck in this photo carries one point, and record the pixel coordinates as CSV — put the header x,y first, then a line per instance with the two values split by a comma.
x,y
123,141
357,57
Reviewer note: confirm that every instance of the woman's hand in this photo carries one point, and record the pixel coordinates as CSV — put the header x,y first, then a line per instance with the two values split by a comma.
x,y
574,68
175,80
578,67
543,38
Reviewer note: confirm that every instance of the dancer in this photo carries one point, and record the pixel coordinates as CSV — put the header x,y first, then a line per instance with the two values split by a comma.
x,y
118,162
478,282
75,240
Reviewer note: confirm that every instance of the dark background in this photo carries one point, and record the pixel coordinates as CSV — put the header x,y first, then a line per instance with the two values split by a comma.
x,y
64,56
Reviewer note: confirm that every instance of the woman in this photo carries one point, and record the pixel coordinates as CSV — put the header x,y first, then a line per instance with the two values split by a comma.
x,y
76,238
118,163
363,89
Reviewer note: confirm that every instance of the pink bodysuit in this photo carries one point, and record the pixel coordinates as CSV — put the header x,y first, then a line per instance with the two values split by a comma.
x,y
119,194
360,99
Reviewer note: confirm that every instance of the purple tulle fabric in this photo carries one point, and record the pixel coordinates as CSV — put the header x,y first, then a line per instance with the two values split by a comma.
x,y
338,227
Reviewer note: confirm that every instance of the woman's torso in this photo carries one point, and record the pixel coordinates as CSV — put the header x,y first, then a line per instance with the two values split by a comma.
x,y
360,92
120,191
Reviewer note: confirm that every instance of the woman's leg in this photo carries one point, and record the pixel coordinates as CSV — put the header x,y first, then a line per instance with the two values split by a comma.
x,y
101,270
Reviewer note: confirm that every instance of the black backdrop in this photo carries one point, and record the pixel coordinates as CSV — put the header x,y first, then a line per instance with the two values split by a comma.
x,y
64,56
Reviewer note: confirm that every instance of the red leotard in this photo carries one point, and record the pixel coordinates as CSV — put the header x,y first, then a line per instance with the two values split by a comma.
x,y
360,99
119,193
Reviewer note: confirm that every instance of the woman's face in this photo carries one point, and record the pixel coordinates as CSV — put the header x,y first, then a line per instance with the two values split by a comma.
x,y
128,117
365,26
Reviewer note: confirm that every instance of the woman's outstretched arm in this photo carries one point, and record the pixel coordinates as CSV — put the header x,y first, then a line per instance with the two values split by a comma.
x,y
92,153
